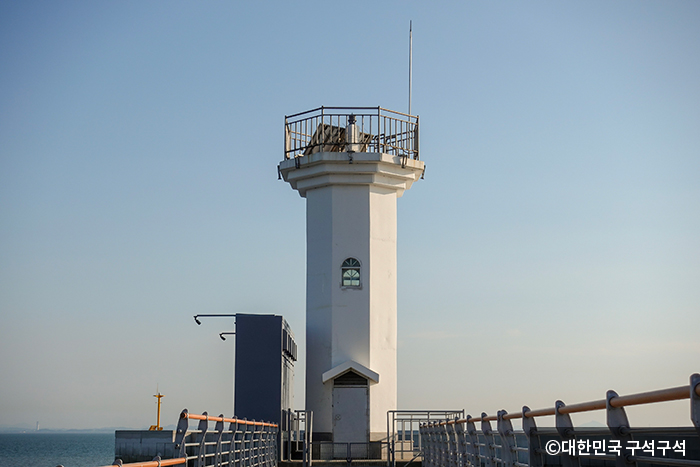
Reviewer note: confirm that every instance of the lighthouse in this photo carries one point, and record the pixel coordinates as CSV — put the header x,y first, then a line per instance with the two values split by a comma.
x,y
351,165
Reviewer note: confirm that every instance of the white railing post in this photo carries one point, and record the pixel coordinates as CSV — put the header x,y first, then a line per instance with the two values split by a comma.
x,y
534,449
565,428
505,429
202,438
616,419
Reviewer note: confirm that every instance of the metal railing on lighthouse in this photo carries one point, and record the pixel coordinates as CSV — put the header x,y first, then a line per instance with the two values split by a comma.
x,y
351,129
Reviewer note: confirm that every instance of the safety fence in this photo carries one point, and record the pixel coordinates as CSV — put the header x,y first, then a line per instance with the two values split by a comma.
x,y
458,442
351,453
157,462
244,443
230,442
402,431
351,129
297,439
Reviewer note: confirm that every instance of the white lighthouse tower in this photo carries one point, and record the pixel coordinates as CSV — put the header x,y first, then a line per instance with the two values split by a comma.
x,y
351,165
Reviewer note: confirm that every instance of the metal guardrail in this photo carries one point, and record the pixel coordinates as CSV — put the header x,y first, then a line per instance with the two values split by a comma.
x,y
459,443
350,452
245,442
298,437
157,462
404,442
351,129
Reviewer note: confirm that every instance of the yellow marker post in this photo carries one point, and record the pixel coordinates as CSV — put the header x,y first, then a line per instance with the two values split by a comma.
x,y
157,426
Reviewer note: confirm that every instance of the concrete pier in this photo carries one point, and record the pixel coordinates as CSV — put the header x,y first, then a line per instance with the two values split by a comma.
x,y
143,445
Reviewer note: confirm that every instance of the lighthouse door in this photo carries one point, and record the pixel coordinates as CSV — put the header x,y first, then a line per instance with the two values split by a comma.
x,y
351,409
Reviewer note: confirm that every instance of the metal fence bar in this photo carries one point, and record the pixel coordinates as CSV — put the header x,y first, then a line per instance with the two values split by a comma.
x,y
403,439
154,463
458,442
246,443
326,129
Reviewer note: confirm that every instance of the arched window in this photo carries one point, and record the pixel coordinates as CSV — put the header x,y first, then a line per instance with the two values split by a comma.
x,y
350,272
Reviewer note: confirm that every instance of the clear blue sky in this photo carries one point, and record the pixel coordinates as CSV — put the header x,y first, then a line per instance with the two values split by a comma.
x,y
552,251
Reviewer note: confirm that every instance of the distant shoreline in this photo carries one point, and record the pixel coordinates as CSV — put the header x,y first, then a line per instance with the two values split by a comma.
x,y
24,431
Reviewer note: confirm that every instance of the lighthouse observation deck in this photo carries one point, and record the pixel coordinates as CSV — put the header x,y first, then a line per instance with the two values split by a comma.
x,y
351,129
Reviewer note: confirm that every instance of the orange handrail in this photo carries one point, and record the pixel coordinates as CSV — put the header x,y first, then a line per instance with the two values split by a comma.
x,y
224,419
163,462
661,395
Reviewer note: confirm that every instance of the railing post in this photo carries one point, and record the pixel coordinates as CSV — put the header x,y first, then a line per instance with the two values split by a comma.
x,y
239,441
447,443
695,401
275,437
262,446
265,444
565,428
416,131
230,437
451,444
250,435
442,444
308,437
461,444
202,428
256,445
424,450
425,441
287,139
389,438
473,449
293,428
272,434
534,447
270,443
435,437
245,454
435,441
435,444
181,434
619,425
487,431
505,429
323,133
219,429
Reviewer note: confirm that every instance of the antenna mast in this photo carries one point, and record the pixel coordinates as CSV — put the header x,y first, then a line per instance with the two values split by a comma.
x,y
410,65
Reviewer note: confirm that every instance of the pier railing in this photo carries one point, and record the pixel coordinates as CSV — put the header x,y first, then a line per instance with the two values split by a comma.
x,y
157,462
458,442
355,453
245,442
298,437
351,129
402,431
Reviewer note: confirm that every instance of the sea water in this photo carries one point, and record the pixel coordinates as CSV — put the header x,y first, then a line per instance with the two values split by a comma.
x,y
52,449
